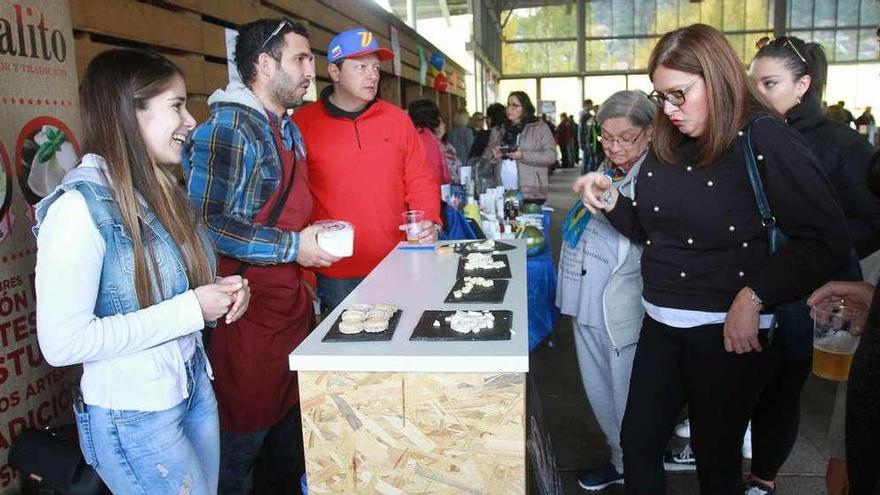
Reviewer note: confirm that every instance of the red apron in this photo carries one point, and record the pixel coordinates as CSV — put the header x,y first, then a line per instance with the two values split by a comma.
x,y
254,386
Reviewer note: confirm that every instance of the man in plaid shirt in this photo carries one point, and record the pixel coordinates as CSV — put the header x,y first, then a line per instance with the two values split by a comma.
x,y
247,177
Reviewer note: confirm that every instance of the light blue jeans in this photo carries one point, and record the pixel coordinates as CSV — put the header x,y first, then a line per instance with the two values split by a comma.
x,y
175,451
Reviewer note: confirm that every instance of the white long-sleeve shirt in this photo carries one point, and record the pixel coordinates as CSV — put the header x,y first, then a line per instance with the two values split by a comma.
x,y
131,361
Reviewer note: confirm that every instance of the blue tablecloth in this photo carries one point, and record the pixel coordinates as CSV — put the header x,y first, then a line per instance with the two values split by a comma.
x,y
541,274
541,279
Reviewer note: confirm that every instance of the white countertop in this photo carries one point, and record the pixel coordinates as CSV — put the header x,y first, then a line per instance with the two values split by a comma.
x,y
415,281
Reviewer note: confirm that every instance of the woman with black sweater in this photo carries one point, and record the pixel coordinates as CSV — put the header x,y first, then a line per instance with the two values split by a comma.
x,y
710,283
791,75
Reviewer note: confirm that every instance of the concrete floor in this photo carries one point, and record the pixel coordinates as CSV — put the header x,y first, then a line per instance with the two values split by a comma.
x,y
578,443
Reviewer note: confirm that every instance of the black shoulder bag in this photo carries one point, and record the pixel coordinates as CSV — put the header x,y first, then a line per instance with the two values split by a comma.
x,y
775,237
51,459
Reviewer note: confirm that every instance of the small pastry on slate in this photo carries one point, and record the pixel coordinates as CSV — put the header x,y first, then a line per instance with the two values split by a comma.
x,y
351,327
376,325
353,315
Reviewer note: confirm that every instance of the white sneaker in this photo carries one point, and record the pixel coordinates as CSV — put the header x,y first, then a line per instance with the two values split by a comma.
x,y
683,430
680,459
758,488
747,442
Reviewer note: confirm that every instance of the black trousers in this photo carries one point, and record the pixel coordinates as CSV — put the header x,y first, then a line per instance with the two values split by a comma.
x,y
276,455
672,366
776,417
566,156
863,417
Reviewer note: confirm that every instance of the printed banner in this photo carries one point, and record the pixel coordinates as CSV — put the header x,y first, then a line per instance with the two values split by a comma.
x,y
395,47
423,67
39,129
231,68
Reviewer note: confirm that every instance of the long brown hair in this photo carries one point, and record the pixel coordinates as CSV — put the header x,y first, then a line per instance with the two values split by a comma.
x,y
702,50
118,83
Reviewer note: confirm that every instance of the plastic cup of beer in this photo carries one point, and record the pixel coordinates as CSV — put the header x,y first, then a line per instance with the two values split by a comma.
x,y
833,344
413,221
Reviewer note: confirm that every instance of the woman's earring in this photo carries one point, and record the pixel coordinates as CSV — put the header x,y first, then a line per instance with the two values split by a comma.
x,y
798,99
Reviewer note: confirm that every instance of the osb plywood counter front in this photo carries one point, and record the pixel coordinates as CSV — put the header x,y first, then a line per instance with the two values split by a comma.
x,y
415,417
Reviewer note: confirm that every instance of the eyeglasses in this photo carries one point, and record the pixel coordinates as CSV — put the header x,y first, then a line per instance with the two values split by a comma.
x,y
284,22
607,140
784,41
676,98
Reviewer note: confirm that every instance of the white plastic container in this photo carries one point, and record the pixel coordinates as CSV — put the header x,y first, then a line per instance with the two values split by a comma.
x,y
336,237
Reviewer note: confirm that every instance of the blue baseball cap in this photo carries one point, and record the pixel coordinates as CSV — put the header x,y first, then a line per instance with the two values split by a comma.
x,y
355,42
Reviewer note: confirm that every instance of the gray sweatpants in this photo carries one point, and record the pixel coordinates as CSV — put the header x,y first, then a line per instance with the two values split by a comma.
x,y
605,375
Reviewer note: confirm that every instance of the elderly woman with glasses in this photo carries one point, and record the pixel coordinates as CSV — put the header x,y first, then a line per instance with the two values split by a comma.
x,y
791,73
599,282
710,281
522,149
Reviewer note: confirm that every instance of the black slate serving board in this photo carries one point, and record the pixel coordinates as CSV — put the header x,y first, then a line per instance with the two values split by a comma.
x,y
425,329
496,273
469,247
334,335
479,294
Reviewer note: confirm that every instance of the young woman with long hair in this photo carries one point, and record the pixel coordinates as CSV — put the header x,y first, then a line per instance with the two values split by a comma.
x,y
710,282
791,74
125,283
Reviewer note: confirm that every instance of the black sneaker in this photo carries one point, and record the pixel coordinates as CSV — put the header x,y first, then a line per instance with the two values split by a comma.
x,y
680,460
600,477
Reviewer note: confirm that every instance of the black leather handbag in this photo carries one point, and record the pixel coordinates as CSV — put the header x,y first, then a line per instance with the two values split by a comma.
x,y
50,459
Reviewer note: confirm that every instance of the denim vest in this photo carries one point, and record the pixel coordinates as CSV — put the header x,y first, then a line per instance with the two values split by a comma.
x,y
117,294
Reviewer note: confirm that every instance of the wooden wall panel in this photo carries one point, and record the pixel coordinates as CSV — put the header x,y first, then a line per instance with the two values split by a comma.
x,y
213,40
216,77
412,92
444,102
191,33
198,107
192,65
131,20
389,90
316,13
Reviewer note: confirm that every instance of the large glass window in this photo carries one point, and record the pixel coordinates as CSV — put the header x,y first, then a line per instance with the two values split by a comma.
x,y
530,54
845,28
599,88
639,81
507,86
540,57
565,91
856,84
621,33
628,29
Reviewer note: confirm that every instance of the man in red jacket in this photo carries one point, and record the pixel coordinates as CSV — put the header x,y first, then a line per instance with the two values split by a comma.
x,y
366,162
